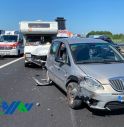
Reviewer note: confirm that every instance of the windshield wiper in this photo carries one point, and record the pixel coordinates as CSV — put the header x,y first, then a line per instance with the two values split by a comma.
x,y
102,61
112,61
90,62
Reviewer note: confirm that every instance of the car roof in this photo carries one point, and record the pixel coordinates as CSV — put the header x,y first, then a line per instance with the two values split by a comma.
x,y
80,40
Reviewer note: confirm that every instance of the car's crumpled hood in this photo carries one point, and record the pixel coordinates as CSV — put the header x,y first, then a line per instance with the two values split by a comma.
x,y
41,50
102,72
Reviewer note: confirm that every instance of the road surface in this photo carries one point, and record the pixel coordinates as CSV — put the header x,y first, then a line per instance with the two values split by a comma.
x,y
50,108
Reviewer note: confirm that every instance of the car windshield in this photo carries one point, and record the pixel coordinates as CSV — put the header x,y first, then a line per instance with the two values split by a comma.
x,y
95,53
8,38
35,40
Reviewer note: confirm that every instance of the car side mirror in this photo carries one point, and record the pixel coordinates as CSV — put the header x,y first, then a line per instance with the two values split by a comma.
x,y
60,60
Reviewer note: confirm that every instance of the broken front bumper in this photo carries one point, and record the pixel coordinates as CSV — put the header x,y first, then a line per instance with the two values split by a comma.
x,y
107,101
39,60
103,99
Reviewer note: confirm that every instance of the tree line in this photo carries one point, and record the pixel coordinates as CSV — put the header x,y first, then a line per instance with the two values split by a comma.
x,y
114,37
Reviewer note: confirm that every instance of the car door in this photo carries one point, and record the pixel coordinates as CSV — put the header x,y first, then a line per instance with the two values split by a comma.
x,y
61,69
51,60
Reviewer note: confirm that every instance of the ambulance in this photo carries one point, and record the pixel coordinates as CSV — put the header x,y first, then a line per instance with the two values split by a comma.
x,y
64,34
11,44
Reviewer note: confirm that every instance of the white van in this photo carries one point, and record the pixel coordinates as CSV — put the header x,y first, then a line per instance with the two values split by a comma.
x,y
11,43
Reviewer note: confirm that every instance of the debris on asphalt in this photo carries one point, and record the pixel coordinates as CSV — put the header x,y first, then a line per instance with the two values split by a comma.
x,y
51,115
41,82
37,75
34,89
48,109
38,104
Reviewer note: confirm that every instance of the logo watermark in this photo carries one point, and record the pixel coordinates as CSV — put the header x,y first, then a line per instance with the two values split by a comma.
x,y
9,109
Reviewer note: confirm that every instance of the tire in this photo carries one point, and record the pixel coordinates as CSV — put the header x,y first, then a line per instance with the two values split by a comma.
x,y
73,102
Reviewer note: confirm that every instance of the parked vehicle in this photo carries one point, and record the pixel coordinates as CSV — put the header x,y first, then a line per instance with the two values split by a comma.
x,y
105,38
11,43
38,36
88,70
121,46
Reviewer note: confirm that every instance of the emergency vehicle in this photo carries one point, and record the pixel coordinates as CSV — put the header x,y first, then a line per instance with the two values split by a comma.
x,y
38,36
11,43
64,34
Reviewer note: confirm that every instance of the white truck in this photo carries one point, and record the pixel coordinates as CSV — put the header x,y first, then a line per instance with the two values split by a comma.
x,y
38,36
11,43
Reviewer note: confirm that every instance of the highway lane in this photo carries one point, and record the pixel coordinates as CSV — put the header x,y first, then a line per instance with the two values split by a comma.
x,y
4,60
16,83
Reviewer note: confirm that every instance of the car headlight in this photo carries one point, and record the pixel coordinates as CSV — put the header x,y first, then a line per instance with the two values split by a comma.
x,y
91,83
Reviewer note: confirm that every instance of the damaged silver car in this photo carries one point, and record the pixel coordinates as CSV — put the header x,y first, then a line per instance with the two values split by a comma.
x,y
88,70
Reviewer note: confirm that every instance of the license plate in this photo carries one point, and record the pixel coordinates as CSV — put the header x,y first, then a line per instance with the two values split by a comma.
x,y
4,53
28,55
120,98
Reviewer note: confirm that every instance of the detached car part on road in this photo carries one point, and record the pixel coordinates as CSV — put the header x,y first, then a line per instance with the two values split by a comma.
x,y
88,70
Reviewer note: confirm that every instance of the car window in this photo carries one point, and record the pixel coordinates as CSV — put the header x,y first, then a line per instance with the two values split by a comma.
x,y
54,48
62,50
94,52
62,53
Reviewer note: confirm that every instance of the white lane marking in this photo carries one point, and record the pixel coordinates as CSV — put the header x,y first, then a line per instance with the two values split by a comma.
x,y
7,64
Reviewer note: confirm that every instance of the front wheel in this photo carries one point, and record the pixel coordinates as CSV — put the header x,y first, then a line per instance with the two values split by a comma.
x,y
72,90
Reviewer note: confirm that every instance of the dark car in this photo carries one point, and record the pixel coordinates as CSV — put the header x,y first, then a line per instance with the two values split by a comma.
x,y
121,46
105,38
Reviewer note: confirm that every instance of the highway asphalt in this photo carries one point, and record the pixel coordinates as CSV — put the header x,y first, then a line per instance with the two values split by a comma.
x,y
50,108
